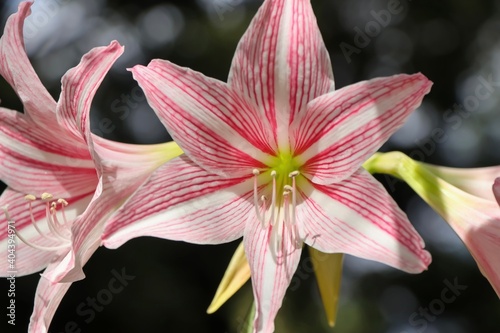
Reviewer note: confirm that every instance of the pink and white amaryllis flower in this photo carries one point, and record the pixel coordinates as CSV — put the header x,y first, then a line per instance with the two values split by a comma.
x,y
275,156
462,197
62,180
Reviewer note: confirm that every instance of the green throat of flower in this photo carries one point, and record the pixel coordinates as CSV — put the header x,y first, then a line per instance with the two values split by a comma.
x,y
275,193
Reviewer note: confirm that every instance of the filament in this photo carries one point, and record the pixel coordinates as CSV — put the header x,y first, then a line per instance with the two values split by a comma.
x,y
273,199
256,197
53,223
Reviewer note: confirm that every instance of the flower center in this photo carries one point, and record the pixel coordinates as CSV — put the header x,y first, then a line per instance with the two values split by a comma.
x,y
58,226
275,197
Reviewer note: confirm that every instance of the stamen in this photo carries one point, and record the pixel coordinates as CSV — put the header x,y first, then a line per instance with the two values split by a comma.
x,y
63,203
286,204
276,244
263,199
272,218
25,241
295,237
53,211
6,212
31,198
39,247
50,211
54,225
256,198
293,221
293,175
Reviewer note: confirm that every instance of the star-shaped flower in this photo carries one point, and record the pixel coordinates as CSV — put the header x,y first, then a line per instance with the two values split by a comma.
x,y
274,155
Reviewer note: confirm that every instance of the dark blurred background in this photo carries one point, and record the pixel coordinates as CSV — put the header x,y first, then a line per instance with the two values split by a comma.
x,y
454,43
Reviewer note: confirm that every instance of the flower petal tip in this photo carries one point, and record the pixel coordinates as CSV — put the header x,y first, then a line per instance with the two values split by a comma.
x,y
426,260
135,68
425,82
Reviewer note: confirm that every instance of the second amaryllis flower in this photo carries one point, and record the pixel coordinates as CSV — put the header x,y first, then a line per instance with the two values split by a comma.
x,y
275,156
463,197
72,179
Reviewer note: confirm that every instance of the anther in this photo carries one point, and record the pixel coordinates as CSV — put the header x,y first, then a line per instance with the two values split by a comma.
x,y
256,172
29,197
293,174
46,196
62,202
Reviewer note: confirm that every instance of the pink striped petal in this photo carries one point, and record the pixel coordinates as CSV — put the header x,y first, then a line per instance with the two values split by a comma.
x,y
483,242
87,230
124,168
340,130
281,62
16,68
133,160
33,163
474,219
476,181
29,259
47,299
86,235
19,132
217,128
272,267
79,86
181,201
359,217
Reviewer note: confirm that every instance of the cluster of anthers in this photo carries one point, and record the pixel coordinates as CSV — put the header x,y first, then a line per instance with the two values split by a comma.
x,y
59,232
281,207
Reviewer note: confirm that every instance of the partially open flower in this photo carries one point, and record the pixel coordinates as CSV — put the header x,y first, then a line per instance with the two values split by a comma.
x,y
463,197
